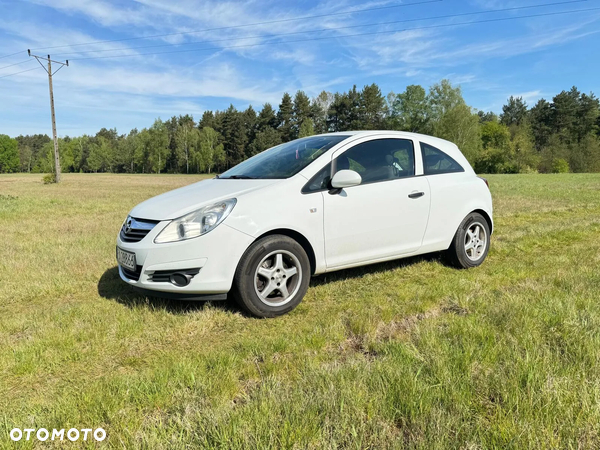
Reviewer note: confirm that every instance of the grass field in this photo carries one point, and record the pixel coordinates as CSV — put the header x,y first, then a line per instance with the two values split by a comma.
x,y
408,354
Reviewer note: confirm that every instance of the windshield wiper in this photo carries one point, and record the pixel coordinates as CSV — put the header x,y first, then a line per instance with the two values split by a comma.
x,y
238,177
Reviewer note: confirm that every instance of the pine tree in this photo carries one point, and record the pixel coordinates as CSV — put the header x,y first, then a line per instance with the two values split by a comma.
x,y
302,112
514,112
307,128
353,114
266,118
336,113
285,117
234,136
372,108
207,120
249,118
266,138
540,118
564,114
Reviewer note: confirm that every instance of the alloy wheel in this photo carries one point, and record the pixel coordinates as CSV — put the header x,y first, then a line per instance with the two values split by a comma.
x,y
278,277
475,241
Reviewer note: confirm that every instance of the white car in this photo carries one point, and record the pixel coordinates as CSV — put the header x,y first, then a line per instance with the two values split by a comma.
x,y
314,205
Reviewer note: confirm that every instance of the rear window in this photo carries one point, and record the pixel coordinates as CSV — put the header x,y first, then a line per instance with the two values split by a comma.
x,y
436,162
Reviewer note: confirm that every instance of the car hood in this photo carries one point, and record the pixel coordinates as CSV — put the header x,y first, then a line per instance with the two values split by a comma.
x,y
176,203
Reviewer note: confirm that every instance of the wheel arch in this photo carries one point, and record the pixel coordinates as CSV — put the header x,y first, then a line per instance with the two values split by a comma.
x,y
300,239
487,217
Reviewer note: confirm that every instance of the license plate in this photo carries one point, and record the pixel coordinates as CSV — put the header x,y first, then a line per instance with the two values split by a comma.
x,y
126,259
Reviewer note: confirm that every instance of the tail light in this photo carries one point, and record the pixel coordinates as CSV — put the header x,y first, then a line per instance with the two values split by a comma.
x,y
485,181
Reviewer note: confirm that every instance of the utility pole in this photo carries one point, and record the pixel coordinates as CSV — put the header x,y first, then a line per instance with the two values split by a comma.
x,y
49,71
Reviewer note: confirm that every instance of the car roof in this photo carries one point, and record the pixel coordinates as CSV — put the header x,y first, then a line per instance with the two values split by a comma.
x,y
405,134
446,146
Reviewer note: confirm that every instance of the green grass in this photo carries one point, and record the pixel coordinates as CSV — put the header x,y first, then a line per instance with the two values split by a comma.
x,y
408,354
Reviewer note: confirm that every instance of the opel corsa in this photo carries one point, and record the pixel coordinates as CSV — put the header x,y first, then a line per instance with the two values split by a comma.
x,y
314,205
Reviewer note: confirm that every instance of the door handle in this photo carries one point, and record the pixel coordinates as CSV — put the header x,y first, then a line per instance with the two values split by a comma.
x,y
416,194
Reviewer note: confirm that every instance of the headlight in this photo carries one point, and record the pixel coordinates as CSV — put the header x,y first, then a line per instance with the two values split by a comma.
x,y
196,223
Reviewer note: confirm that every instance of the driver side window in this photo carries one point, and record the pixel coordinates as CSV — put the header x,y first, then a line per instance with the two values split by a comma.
x,y
379,160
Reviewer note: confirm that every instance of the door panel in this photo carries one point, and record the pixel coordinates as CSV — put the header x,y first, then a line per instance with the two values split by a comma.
x,y
375,221
383,217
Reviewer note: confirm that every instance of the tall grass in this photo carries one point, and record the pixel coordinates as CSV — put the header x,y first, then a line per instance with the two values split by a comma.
x,y
407,354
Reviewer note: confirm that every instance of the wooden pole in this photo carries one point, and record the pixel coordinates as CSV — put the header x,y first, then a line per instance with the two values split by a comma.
x,y
54,137
56,154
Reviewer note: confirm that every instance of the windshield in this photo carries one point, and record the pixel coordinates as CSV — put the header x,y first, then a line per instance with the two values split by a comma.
x,y
285,160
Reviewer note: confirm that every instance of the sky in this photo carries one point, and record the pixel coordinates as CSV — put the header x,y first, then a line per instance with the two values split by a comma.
x,y
133,61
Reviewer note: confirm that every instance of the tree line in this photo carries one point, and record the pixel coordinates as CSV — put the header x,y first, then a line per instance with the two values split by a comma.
x,y
562,135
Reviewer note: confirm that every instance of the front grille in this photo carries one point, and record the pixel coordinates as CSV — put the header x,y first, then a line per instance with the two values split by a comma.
x,y
164,276
134,230
132,275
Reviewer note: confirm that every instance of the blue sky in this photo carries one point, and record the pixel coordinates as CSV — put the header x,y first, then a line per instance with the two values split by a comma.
x,y
531,57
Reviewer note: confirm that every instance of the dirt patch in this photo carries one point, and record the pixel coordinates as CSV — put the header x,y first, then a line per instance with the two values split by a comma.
x,y
248,388
357,343
362,342
391,330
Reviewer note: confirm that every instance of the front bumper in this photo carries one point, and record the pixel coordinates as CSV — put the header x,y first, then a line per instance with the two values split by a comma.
x,y
216,255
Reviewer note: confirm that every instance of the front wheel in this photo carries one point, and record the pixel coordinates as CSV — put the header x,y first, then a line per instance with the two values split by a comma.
x,y
471,242
272,277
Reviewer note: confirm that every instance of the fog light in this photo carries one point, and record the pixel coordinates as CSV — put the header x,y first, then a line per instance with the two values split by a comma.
x,y
180,279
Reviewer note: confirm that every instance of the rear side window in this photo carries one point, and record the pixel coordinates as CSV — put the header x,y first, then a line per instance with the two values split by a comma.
x,y
436,162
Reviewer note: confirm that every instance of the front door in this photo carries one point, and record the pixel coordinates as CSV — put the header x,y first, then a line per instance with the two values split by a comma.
x,y
386,215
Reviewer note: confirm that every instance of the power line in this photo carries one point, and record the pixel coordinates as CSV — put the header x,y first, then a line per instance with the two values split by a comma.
x,y
558,13
291,19
17,73
12,54
447,16
50,74
15,64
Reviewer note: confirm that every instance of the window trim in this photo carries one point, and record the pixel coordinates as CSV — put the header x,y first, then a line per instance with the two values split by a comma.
x,y
376,138
425,174
304,190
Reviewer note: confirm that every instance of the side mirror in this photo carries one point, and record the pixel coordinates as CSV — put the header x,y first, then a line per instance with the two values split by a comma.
x,y
345,179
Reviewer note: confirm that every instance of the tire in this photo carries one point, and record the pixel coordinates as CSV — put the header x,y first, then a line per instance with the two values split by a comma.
x,y
469,250
277,264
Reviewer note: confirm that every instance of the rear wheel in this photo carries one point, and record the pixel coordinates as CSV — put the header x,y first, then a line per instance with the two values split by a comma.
x,y
272,277
471,242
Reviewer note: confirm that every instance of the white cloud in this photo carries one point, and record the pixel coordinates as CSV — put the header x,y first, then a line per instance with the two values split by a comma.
x,y
40,36
421,49
221,80
530,97
142,86
102,12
